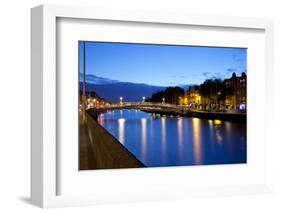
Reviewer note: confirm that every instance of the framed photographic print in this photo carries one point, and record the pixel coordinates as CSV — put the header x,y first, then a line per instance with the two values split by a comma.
x,y
131,105
154,105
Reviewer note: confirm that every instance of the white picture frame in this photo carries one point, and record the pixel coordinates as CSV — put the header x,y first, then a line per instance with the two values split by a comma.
x,y
44,153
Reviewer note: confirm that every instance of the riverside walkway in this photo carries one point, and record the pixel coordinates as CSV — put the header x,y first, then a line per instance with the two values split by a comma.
x,y
98,149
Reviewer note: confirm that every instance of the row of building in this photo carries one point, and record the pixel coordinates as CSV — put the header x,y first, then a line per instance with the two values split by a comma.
x,y
233,100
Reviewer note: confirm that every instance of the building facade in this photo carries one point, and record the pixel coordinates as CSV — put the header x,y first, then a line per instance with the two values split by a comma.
x,y
231,96
192,97
236,92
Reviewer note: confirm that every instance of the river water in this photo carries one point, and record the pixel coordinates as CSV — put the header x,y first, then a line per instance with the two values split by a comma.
x,y
176,141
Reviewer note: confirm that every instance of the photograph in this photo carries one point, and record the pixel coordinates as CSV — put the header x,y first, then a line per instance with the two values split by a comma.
x,y
146,105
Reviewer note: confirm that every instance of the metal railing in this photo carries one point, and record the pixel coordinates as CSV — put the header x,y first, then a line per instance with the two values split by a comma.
x,y
142,104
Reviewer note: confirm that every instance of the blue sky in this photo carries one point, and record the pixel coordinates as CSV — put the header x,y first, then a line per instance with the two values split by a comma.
x,y
161,65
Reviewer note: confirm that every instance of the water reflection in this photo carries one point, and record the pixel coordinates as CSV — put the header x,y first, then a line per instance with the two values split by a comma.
x,y
211,125
197,140
217,122
101,119
227,127
143,137
151,127
163,138
218,133
180,136
171,141
121,128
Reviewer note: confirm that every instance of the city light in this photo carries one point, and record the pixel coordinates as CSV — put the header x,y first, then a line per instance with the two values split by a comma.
x,y
121,100
242,106
217,122
143,99
185,100
180,100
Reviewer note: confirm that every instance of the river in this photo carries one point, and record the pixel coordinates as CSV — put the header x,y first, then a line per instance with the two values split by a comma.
x,y
176,141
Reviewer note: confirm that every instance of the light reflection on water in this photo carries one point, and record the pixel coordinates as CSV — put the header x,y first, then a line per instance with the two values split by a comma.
x,y
143,137
163,138
121,130
180,137
175,141
197,141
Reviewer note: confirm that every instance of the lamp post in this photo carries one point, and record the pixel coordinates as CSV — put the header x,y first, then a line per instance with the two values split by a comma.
x,y
143,99
219,99
180,100
121,100
163,100
84,98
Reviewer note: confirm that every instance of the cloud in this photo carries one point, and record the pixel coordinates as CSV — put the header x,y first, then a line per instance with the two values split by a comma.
x,y
206,74
213,75
97,80
177,76
171,83
238,58
231,70
219,75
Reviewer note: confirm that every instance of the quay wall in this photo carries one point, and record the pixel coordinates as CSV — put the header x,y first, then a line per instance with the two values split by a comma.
x,y
235,117
108,152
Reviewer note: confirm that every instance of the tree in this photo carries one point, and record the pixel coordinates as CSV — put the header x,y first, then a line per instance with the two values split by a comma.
x,y
214,90
171,95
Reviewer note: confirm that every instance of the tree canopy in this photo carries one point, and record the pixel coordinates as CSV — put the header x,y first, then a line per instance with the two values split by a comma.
x,y
171,95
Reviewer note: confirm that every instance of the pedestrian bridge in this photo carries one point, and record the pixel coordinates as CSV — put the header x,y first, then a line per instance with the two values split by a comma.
x,y
143,105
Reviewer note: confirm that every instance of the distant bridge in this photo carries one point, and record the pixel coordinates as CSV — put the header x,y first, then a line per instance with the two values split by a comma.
x,y
169,109
147,106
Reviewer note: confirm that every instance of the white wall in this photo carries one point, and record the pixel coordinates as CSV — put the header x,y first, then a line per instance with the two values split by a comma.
x,y
15,98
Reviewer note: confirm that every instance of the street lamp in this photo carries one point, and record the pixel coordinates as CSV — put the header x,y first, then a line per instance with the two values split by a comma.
x,y
121,100
94,102
143,99
163,100
84,98
180,100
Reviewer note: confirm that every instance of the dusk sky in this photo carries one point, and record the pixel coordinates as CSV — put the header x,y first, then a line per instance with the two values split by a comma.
x,y
161,65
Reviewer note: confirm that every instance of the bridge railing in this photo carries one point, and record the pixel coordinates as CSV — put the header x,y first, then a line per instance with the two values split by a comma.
x,y
140,104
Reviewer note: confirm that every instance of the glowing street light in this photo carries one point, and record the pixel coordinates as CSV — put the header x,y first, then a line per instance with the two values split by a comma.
x,y
94,102
163,100
180,100
121,100
143,99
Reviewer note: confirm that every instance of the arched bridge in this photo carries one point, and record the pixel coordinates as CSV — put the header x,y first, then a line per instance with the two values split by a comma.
x,y
146,106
